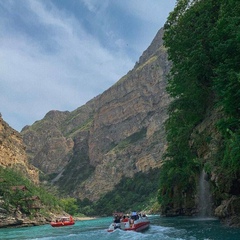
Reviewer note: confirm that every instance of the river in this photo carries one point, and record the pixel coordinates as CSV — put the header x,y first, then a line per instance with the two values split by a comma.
x,y
161,229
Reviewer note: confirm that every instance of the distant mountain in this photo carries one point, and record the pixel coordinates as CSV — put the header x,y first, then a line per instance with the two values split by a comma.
x,y
116,134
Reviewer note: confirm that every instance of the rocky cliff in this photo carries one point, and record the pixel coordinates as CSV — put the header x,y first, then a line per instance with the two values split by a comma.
x,y
12,152
116,134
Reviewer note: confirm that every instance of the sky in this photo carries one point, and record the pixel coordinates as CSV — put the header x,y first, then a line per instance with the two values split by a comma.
x,y
59,54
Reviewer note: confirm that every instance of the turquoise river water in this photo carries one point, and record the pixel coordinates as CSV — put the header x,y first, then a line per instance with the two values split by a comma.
x,y
160,228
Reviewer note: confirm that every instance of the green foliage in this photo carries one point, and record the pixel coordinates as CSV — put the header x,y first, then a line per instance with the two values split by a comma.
x,y
76,171
86,207
131,193
190,84
13,196
84,127
203,42
231,159
69,205
135,137
226,45
151,60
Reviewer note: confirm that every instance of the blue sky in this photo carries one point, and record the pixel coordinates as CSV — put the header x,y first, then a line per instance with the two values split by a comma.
x,y
59,54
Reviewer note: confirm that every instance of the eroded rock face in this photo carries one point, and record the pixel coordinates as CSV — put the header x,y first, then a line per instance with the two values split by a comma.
x,y
46,142
225,190
12,152
229,211
116,134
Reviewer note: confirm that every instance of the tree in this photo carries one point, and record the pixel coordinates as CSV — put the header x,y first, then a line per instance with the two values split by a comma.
x,y
69,205
188,40
226,47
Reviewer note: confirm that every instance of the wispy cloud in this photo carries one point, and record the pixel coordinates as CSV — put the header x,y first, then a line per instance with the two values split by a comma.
x,y
50,59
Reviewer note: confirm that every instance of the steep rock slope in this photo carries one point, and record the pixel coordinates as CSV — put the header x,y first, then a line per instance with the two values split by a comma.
x,y
116,134
12,152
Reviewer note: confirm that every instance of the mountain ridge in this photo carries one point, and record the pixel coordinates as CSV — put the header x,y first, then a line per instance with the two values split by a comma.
x,y
106,138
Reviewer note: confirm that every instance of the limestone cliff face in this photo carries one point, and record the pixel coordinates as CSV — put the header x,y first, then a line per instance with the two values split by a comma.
x,y
12,152
116,134
45,141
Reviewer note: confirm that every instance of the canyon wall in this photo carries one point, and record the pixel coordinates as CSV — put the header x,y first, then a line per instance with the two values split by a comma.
x,y
12,152
118,133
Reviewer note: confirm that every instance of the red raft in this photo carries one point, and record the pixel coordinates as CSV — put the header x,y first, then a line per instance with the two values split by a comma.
x,y
135,223
63,221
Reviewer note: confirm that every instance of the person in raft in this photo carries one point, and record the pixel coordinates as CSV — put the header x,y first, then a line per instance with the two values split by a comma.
x,y
124,219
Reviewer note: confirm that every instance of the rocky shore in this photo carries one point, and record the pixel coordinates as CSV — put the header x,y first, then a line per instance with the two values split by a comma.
x,y
17,219
24,222
229,211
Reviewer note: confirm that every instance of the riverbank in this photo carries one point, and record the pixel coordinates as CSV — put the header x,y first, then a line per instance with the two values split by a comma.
x,y
12,222
16,221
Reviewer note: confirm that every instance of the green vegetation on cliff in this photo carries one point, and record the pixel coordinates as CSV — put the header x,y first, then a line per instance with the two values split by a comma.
x,y
202,38
17,192
76,171
130,194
